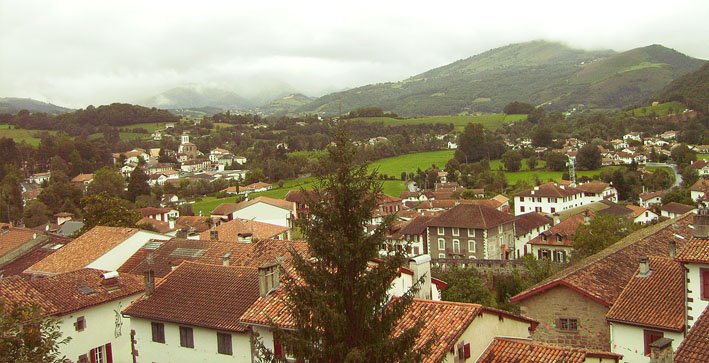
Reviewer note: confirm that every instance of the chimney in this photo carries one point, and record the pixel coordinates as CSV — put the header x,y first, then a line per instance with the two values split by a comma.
x,y
171,223
226,259
673,249
421,266
555,219
214,234
268,278
644,266
701,223
149,282
586,218
109,279
661,351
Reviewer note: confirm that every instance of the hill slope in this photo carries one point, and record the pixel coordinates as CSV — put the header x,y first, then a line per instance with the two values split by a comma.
x,y
14,105
197,96
692,89
286,104
539,72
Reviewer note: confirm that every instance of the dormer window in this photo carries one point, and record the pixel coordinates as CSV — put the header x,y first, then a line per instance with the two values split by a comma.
x,y
559,238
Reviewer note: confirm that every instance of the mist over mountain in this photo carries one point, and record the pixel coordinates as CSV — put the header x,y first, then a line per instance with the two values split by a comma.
x,y
197,96
14,105
539,72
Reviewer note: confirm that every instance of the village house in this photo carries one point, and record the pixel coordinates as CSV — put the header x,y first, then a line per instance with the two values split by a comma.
x,y
596,191
548,198
300,198
17,265
15,242
674,209
556,244
699,189
701,167
506,350
633,136
87,304
642,215
527,227
650,199
160,214
82,181
572,305
261,209
40,178
255,188
471,231
246,231
694,257
410,236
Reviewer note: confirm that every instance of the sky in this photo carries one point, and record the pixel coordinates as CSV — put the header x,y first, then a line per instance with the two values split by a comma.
x,y
76,53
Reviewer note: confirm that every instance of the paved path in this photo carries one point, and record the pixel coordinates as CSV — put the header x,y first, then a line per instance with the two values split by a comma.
x,y
678,176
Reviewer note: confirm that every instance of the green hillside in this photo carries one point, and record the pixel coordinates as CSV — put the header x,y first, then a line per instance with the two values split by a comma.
x,y
284,105
692,89
489,121
538,72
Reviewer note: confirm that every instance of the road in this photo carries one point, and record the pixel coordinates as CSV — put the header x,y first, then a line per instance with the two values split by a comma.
x,y
678,177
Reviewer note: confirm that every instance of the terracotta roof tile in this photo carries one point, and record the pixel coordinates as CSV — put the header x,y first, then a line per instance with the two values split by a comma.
x,y
80,252
154,224
196,294
62,294
299,196
637,210
229,231
272,201
12,238
526,222
549,190
198,223
695,345
224,209
695,251
701,185
595,187
471,216
565,229
506,350
678,208
655,300
36,254
603,275
82,178
650,195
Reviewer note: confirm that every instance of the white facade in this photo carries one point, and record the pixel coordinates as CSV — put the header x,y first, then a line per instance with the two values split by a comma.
x,y
117,256
521,241
104,325
646,217
610,193
205,345
549,205
648,203
695,303
266,213
629,340
697,195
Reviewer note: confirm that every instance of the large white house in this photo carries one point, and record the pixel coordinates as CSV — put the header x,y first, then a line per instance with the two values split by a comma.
x,y
596,191
261,209
87,304
548,198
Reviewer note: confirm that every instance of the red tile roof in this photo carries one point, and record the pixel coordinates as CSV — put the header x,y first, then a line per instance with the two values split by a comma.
x,y
229,231
525,223
154,225
12,238
62,294
549,190
651,195
565,229
280,203
602,276
196,294
508,350
198,223
225,209
300,196
655,300
471,216
695,346
595,187
677,208
695,251
701,185
36,254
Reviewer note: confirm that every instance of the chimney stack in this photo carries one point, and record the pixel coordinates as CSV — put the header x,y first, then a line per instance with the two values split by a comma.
x,y
149,282
268,278
226,259
213,234
673,249
644,266
701,223
661,351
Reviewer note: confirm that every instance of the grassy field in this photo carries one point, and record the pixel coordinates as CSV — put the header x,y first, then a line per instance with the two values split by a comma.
x,y
123,136
489,121
661,109
545,176
393,166
702,156
22,135
150,126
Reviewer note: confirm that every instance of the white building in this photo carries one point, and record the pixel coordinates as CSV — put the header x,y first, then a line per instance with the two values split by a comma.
x,y
633,136
260,209
527,227
649,199
548,198
642,215
698,189
596,191
87,304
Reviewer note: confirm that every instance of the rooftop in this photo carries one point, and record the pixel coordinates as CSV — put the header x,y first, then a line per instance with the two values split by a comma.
x,y
695,345
549,190
677,208
471,216
230,231
505,350
525,223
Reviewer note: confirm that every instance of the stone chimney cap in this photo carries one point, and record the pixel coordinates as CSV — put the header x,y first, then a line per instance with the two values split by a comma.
x,y
661,343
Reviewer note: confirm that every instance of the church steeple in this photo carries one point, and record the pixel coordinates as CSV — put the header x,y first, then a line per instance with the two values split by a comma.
x,y
185,138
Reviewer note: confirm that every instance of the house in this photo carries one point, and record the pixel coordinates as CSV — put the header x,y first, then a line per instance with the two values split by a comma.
x,y
471,231
596,191
699,189
548,198
19,264
452,145
82,181
192,315
39,178
194,165
694,257
668,135
255,188
506,349
233,190
572,304
642,215
157,179
527,227
619,144
674,209
160,214
187,150
168,199
246,231
261,209
556,244
701,167
301,198
103,248
650,307
411,235
649,199
633,136
87,304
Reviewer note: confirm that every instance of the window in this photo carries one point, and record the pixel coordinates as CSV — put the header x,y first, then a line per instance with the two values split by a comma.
x,y
544,254
704,277
186,337
568,324
80,324
471,232
560,256
521,209
456,246
158,332
441,244
650,336
552,200
102,354
456,231
224,343
441,255
440,231
559,238
553,209
471,246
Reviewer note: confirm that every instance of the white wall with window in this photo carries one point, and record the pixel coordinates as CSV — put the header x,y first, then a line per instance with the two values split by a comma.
x,y
169,342
698,284
633,342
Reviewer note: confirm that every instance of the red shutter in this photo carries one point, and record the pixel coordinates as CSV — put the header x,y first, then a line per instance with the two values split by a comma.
x,y
705,284
277,348
109,354
92,355
466,350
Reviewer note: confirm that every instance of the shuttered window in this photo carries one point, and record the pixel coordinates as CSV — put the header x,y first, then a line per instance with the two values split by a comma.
x,y
224,343
186,337
158,332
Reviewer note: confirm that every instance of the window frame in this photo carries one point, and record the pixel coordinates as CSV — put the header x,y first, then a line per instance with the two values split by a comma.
x,y
455,231
224,340
186,340
456,242
439,244
471,234
472,242
80,324
568,324
647,339
440,231
158,332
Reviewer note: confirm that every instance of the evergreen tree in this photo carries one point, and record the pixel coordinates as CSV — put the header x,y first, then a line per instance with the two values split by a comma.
x,y
11,196
138,184
338,301
26,335
105,210
36,214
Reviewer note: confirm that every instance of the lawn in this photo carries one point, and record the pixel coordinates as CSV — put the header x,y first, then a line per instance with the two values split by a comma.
x,y
123,136
702,156
489,121
661,109
545,175
393,166
150,126
22,135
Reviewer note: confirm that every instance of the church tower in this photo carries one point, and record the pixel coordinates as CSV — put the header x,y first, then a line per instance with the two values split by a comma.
x,y
185,138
